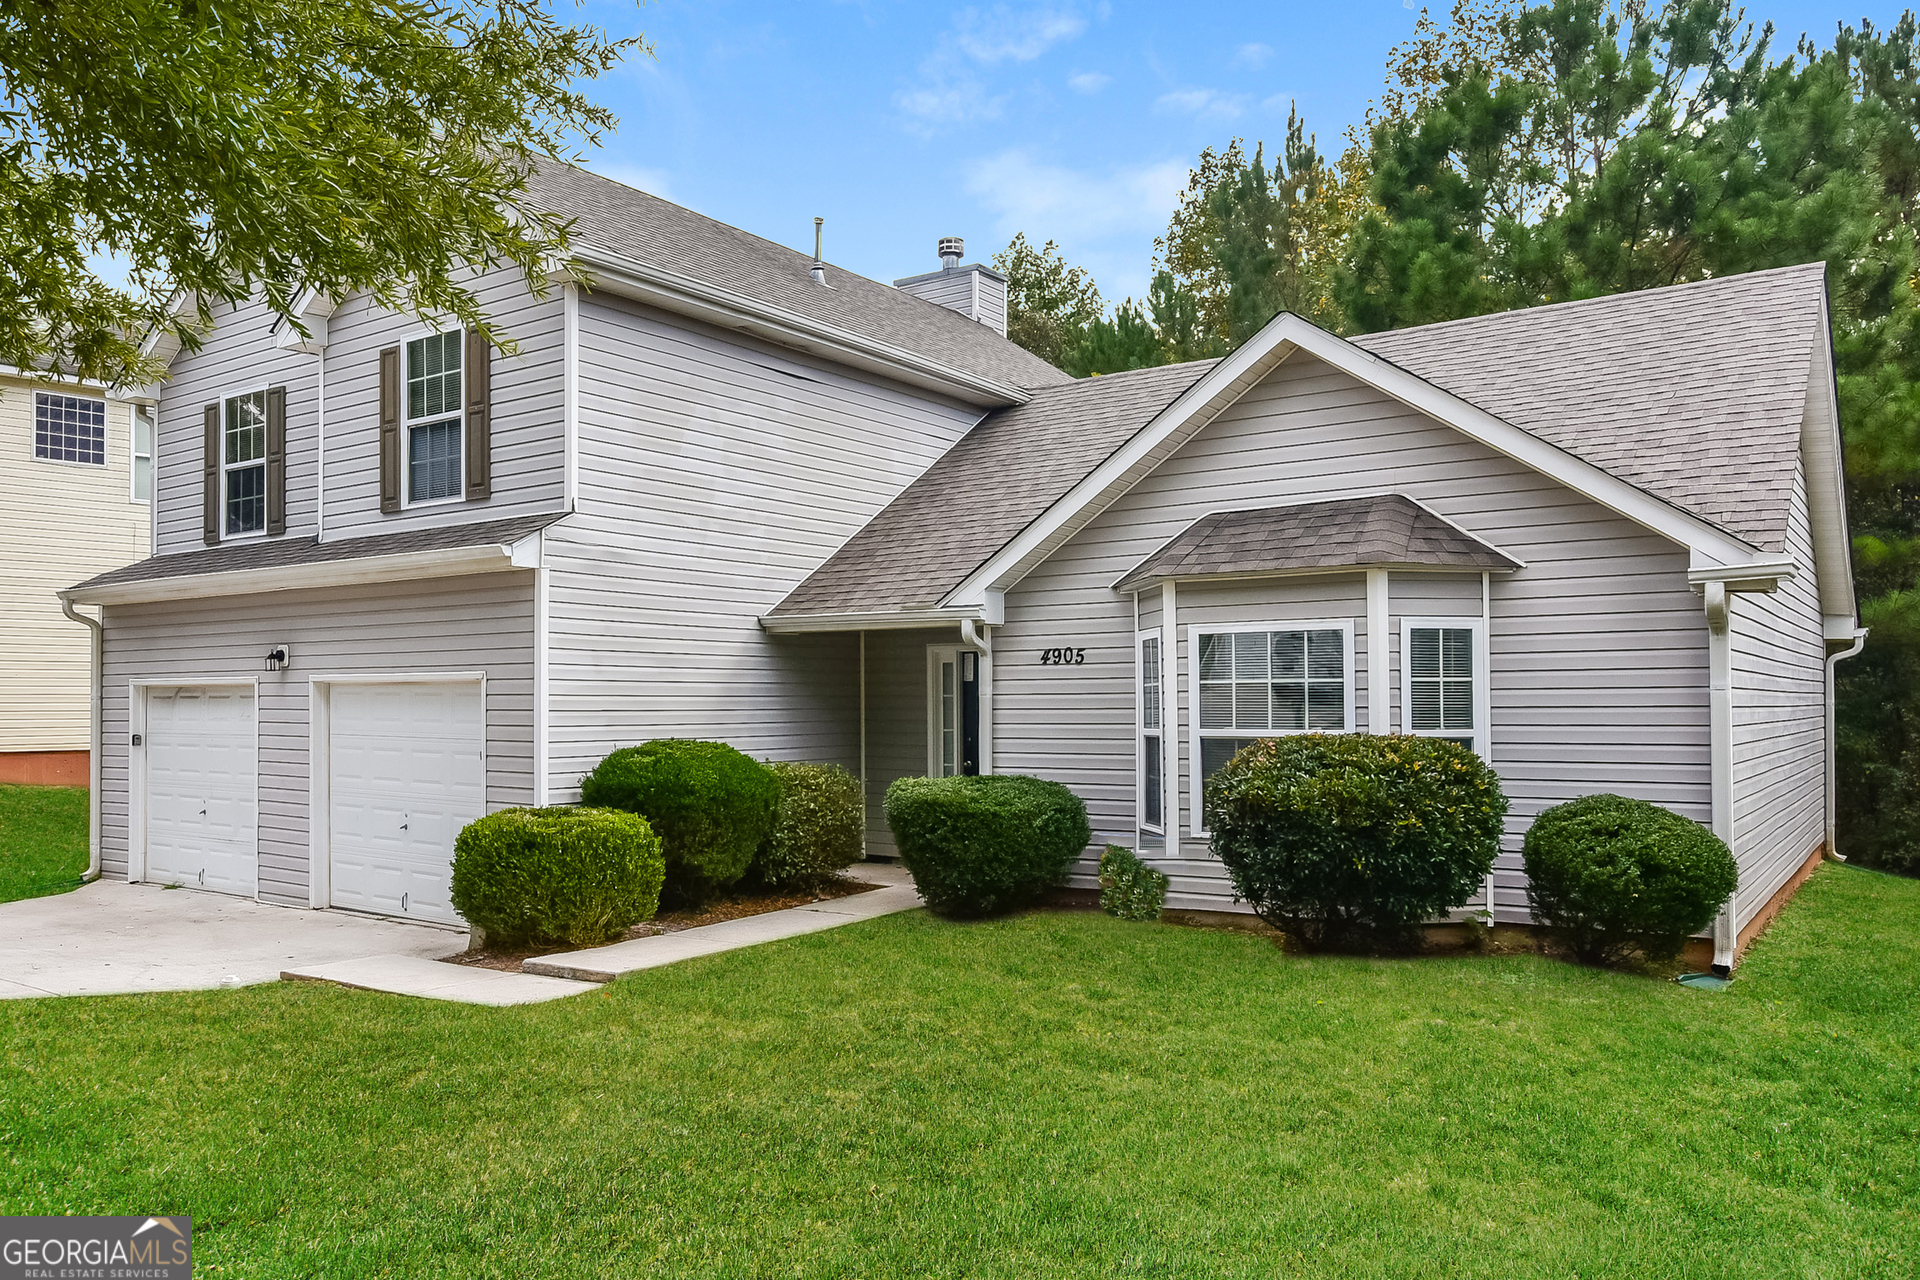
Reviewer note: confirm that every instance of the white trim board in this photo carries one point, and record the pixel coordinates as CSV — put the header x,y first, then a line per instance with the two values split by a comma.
x,y
1232,377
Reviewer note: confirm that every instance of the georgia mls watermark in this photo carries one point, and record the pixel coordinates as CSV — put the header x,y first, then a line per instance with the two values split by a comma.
x,y
125,1248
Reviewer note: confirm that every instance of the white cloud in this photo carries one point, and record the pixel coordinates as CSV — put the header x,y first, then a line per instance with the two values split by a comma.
x,y
1052,202
1089,82
652,181
1001,35
1252,56
1205,104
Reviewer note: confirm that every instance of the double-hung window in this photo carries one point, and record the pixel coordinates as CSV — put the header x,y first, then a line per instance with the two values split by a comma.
x,y
243,465
69,428
142,453
432,430
1153,784
1443,682
1256,683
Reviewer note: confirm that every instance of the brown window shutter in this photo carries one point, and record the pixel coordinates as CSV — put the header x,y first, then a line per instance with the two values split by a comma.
x,y
390,430
210,474
478,452
276,461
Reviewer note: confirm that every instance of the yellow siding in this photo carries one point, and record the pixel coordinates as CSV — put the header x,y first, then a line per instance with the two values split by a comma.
x,y
60,523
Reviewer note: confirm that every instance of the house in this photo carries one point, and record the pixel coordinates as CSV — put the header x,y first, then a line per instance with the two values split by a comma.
x,y
75,500
725,490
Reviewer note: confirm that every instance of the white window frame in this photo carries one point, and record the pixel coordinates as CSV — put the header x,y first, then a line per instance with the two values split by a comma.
x,y
1165,729
408,423
1192,632
1482,699
936,654
226,398
134,455
106,432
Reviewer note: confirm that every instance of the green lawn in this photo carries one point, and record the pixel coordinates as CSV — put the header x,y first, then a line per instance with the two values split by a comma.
x,y
1051,1095
43,840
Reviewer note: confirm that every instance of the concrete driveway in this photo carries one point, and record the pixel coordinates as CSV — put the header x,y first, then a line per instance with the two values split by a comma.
x,y
110,938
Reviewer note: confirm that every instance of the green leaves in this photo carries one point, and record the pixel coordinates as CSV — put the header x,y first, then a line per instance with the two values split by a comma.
x,y
219,148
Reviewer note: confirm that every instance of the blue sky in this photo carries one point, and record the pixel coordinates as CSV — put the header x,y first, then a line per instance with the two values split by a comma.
x,y
901,123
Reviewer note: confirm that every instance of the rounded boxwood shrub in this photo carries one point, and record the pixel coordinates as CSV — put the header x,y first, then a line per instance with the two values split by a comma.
x,y
1354,840
1129,888
819,829
710,805
536,876
980,845
1612,876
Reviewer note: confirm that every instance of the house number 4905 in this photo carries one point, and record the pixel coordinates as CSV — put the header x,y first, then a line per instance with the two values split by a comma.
x,y
1062,657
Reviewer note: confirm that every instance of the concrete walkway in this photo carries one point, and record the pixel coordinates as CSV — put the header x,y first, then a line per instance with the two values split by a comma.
x,y
112,938
604,964
435,980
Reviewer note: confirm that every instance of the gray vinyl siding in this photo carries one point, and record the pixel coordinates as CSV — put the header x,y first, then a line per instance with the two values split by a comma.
x,y
950,289
1779,722
715,474
528,411
467,624
237,356
1598,649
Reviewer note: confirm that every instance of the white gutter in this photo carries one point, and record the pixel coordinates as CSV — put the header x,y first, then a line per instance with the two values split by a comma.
x,y
404,566
988,614
93,737
728,309
1833,660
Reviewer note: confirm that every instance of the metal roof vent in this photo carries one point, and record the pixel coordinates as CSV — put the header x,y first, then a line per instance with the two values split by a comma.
x,y
952,249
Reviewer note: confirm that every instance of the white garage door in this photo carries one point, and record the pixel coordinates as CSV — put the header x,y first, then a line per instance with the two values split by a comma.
x,y
407,770
201,757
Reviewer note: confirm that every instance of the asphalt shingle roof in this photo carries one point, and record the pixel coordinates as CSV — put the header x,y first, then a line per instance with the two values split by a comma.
x,y
280,553
662,235
1387,530
1692,393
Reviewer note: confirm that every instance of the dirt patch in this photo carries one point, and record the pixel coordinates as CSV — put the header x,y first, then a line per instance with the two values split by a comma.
x,y
733,907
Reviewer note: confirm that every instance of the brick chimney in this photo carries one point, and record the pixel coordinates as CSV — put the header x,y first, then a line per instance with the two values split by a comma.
x,y
977,292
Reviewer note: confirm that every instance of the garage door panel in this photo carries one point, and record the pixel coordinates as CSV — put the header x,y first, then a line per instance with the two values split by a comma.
x,y
408,771
202,812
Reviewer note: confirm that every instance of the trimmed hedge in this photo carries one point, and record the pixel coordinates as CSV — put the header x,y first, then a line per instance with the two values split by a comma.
x,y
1355,840
819,830
560,875
981,845
1129,888
1612,876
711,806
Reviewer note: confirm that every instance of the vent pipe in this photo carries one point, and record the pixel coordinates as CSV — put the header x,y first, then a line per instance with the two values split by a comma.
x,y
952,249
819,272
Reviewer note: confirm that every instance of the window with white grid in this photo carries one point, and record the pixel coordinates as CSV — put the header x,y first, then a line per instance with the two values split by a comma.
x,y
433,427
1254,684
1153,787
1440,686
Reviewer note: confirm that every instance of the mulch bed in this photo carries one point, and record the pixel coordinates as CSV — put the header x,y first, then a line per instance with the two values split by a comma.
x,y
734,907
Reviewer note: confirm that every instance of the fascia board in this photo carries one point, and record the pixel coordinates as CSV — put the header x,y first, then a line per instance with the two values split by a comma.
x,y
1202,402
888,620
405,566
729,310
1823,454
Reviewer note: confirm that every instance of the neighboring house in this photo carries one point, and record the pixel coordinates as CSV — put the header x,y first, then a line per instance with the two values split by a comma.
x,y
75,500
731,492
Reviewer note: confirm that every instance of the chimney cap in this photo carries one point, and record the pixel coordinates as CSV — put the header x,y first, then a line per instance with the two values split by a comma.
x,y
952,249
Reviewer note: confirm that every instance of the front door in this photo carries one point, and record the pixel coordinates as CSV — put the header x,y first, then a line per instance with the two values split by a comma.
x,y
953,712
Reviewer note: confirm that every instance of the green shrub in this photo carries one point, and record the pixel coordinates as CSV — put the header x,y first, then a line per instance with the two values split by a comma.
x,y
536,876
1612,876
1354,840
980,845
820,828
1129,888
711,806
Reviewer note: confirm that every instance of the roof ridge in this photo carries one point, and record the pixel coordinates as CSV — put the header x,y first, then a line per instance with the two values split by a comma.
x,y
1597,300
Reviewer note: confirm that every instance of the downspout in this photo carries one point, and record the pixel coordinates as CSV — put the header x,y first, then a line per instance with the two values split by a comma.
x,y
1833,659
320,448
1720,738
980,638
93,738
1485,680
1170,723
865,797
